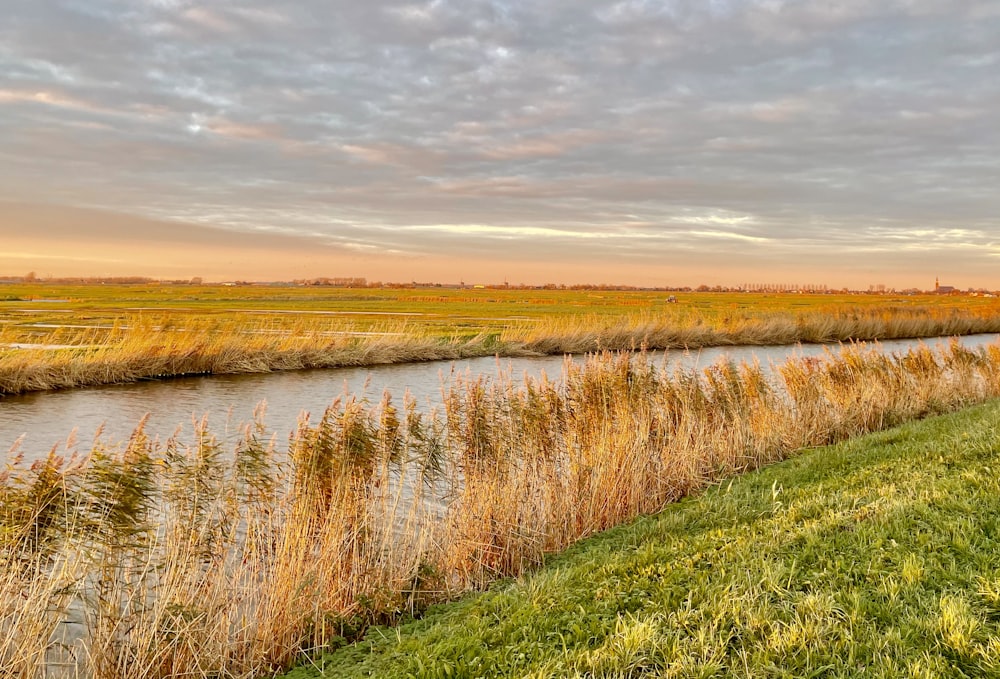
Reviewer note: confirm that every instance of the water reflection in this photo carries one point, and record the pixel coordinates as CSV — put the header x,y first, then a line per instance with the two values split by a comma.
x,y
48,418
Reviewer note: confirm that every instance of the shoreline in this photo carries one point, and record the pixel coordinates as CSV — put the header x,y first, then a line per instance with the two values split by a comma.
x,y
34,370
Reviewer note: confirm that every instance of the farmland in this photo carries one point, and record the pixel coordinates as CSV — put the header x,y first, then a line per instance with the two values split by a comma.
x,y
55,336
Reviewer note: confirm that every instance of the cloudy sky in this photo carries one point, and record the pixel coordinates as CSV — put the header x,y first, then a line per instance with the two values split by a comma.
x,y
846,142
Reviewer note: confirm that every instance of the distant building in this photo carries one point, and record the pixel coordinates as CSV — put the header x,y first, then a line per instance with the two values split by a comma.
x,y
942,289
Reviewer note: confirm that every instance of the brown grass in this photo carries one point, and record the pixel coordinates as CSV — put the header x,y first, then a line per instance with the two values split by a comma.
x,y
142,351
695,330
187,560
136,349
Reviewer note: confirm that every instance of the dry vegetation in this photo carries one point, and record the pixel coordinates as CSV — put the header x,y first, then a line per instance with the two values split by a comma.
x,y
138,347
775,327
139,350
186,560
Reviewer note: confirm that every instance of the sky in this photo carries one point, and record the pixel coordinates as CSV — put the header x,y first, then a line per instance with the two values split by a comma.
x,y
671,142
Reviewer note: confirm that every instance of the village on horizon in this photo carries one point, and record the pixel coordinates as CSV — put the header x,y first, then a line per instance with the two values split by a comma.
x,y
361,282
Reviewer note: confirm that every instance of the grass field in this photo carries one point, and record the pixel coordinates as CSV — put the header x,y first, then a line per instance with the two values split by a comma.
x,y
444,310
54,336
872,558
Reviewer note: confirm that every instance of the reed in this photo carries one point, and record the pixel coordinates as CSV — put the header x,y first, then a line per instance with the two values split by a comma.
x,y
144,347
182,559
140,350
691,328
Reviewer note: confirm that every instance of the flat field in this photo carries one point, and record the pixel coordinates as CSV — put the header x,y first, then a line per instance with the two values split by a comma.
x,y
60,336
33,308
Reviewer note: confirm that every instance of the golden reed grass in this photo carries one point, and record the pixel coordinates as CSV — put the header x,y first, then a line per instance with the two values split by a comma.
x,y
693,329
138,349
188,560
141,350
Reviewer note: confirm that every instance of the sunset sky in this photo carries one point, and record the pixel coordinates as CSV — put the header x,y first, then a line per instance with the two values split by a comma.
x,y
845,142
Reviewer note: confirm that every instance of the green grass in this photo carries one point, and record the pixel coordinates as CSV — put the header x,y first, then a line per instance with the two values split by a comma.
x,y
878,557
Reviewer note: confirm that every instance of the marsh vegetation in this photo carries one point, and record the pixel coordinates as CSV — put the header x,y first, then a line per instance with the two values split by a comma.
x,y
182,558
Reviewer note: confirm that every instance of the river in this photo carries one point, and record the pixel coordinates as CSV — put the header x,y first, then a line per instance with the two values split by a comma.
x,y
47,419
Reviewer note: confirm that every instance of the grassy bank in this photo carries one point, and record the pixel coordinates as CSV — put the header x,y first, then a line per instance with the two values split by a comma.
x,y
872,558
180,559
54,337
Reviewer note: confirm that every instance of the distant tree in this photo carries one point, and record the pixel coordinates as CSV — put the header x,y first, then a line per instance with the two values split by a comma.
x,y
30,277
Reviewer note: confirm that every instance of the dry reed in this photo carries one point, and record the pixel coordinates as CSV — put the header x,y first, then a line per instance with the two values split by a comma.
x,y
187,560
138,349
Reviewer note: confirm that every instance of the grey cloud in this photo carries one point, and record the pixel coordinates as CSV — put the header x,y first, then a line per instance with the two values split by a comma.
x,y
844,125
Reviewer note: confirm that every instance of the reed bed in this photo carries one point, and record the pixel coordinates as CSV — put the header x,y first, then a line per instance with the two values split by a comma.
x,y
182,559
139,350
139,347
691,328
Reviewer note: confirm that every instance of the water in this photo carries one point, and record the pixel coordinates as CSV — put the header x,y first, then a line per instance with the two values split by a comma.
x,y
47,419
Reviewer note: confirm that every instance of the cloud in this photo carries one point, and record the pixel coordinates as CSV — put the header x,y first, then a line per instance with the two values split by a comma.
x,y
48,256
578,131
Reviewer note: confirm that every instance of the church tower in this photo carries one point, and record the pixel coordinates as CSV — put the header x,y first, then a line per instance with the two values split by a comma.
x,y
937,285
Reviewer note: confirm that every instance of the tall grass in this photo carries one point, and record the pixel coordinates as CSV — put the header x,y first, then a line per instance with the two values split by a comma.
x,y
138,348
181,559
690,328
